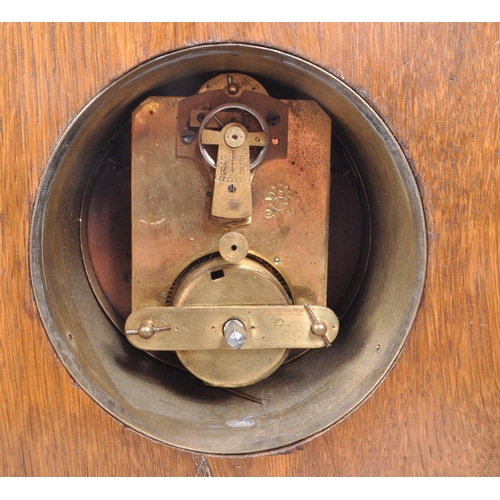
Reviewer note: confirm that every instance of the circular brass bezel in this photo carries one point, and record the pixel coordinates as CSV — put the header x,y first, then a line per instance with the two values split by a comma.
x,y
302,398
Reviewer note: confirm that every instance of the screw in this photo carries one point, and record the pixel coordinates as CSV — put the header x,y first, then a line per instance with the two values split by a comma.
x,y
232,88
188,136
235,333
146,330
318,327
273,118
200,117
231,188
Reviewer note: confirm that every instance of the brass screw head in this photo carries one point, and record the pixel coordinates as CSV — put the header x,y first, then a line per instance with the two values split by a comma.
x,y
232,88
234,137
319,328
146,330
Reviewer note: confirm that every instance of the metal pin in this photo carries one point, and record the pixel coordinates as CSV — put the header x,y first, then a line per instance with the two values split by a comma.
x,y
318,327
244,395
147,330
232,88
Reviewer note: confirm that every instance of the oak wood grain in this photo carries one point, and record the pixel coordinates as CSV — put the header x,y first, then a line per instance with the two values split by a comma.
x,y
437,86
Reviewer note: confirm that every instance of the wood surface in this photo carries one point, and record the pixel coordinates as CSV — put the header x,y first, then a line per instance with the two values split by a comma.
x,y
437,86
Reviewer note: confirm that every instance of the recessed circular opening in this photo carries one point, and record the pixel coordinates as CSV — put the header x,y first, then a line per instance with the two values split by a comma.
x,y
375,289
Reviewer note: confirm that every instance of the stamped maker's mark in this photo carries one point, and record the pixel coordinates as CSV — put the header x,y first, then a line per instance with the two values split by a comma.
x,y
279,200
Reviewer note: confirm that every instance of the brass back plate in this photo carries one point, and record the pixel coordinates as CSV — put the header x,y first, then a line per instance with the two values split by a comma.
x,y
171,203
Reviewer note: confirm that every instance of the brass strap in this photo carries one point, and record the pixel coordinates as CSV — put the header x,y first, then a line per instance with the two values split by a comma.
x,y
201,328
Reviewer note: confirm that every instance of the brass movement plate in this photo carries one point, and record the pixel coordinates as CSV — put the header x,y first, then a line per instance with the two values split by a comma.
x,y
171,203
181,212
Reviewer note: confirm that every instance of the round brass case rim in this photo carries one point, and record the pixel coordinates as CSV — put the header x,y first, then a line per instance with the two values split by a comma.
x,y
348,350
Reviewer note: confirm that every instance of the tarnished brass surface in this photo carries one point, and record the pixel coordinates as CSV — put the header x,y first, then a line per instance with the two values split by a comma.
x,y
106,234
106,245
171,200
198,328
283,218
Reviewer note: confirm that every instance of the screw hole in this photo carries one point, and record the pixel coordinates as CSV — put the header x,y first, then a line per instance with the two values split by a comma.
x,y
275,141
234,248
